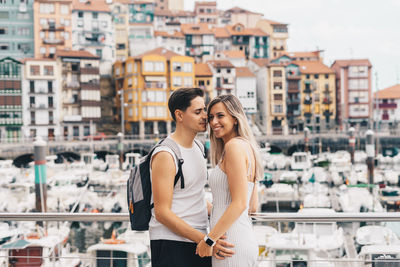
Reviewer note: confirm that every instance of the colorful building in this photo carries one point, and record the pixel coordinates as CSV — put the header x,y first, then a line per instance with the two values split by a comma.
x,y
16,29
199,40
318,95
353,93
146,81
120,20
52,26
10,99
206,12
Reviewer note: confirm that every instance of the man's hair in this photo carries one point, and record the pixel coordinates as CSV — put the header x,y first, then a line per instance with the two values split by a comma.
x,y
181,98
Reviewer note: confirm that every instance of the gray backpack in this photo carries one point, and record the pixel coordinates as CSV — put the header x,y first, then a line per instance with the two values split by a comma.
x,y
139,185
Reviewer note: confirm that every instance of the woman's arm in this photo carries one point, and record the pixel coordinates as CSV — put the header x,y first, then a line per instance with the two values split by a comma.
x,y
254,199
236,169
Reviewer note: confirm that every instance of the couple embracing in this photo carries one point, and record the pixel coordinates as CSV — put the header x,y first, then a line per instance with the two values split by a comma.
x,y
178,226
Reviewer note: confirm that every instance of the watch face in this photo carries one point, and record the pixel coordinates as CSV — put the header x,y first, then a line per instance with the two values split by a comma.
x,y
209,242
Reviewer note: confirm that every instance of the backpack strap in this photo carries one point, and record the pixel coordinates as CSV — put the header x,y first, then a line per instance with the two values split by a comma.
x,y
201,146
168,142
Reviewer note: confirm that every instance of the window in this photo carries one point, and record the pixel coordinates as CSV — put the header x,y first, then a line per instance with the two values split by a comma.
x,y
159,66
148,66
307,76
277,85
177,81
95,15
31,86
48,70
278,97
64,9
35,70
3,31
277,73
32,101
99,52
228,70
278,109
80,14
50,101
218,70
51,117
188,82
316,76
326,76
176,66
33,119
50,86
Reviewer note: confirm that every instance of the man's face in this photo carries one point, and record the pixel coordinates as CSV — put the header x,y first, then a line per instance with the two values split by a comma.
x,y
195,116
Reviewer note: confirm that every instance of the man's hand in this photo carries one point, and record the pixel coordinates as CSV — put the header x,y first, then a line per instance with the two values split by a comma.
x,y
221,249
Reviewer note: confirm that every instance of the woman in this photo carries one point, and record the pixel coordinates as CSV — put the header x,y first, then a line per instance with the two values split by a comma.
x,y
234,154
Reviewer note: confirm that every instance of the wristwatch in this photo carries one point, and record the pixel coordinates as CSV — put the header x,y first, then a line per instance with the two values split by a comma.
x,y
209,241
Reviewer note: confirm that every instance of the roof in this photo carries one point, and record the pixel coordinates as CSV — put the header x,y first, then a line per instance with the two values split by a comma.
x,y
303,54
37,59
196,29
205,3
245,31
234,54
244,72
273,22
142,2
175,34
76,53
173,13
91,5
161,51
261,62
353,62
221,32
220,64
392,92
313,67
202,69
11,59
237,10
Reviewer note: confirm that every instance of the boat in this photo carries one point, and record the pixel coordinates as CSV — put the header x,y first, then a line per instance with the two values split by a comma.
x,y
300,161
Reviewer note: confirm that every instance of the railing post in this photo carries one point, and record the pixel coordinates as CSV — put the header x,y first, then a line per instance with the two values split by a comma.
x,y
352,143
40,174
121,149
370,149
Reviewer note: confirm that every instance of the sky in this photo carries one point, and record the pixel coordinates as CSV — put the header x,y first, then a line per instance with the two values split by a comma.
x,y
344,29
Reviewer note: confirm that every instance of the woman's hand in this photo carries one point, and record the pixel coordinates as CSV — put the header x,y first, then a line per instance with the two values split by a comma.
x,y
204,250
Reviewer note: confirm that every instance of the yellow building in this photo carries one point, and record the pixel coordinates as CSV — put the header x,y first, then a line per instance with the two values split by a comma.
x,y
318,95
203,79
147,82
52,26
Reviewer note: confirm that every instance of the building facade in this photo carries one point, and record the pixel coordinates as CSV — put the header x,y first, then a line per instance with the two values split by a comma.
x,y
146,82
387,108
203,79
206,12
245,17
246,91
224,77
278,33
93,31
80,93
10,99
199,40
354,93
16,29
41,106
52,27
120,20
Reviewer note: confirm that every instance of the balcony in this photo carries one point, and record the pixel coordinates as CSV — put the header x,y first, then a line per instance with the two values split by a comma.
x,y
307,101
72,84
155,85
53,27
39,107
307,114
387,105
328,113
90,70
10,121
40,92
307,91
72,118
327,101
90,86
279,48
293,77
53,41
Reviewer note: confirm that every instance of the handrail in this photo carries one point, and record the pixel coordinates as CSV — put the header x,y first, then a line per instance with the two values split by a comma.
x,y
267,217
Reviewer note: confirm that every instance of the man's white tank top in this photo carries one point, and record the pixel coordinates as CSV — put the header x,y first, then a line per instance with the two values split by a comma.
x,y
188,203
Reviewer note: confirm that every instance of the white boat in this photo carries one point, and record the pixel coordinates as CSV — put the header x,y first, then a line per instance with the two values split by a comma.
x,y
131,160
130,250
300,161
288,176
356,199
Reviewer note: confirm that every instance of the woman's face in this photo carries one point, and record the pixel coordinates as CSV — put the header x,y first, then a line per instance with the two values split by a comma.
x,y
222,124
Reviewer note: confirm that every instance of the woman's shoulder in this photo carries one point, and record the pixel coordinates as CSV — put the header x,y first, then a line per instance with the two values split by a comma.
x,y
237,144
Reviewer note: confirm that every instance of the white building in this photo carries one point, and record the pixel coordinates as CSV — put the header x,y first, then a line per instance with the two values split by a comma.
x,y
168,20
174,41
40,98
387,108
246,90
224,77
92,30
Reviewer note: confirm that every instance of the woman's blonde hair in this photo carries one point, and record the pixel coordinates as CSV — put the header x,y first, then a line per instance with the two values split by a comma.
x,y
242,128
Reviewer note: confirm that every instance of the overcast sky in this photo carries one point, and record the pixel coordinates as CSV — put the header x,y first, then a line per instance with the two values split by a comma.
x,y
343,28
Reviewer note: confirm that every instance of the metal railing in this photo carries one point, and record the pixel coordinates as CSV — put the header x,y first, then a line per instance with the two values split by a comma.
x,y
264,217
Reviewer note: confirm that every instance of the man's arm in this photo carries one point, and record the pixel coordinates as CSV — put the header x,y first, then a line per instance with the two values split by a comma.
x,y
163,173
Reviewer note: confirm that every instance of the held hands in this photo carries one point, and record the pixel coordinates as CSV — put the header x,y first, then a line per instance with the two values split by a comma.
x,y
219,251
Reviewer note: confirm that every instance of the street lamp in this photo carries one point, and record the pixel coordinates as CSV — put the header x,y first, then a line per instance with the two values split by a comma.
x,y
123,104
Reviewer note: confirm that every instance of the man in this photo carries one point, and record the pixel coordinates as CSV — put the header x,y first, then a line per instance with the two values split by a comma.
x,y
179,217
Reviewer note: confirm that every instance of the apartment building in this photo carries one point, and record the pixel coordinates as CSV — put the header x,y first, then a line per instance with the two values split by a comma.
x,y
245,17
246,91
318,95
145,82
353,93
120,21
79,94
93,31
387,108
278,33
41,99
199,40
10,99
52,27
203,79
171,20
16,29
174,41
141,29
224,77
206,12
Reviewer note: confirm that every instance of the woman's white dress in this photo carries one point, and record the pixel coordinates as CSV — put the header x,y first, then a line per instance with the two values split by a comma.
x,y
241,232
